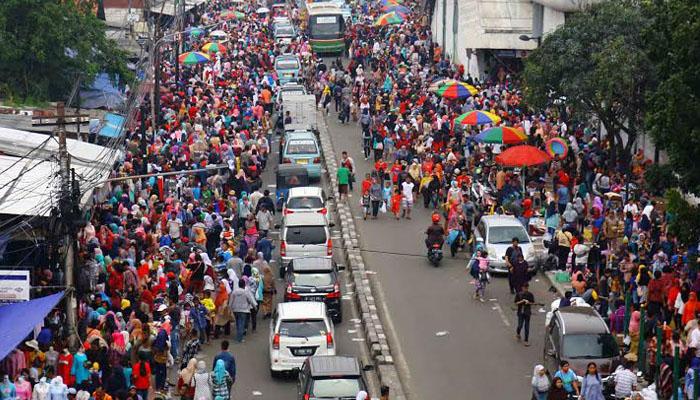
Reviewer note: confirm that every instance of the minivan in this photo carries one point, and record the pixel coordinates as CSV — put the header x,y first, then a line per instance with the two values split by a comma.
x,y
496,233
307,199
299,330
315,279
579,335
330,377
304,235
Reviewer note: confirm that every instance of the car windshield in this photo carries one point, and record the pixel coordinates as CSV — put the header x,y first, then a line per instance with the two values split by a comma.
x,y
336,388
306,235
325,25
284,30
304,202
505,234
590,346
291,181
302,328
314,279
287,64
302,147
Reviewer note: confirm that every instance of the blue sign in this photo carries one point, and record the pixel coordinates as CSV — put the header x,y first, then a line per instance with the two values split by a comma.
x,y
113,125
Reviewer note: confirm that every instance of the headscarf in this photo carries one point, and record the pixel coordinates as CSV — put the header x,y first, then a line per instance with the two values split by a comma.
x,y
118,342
634,322
690,307
361,395
187,372
201,367
539,382
219,371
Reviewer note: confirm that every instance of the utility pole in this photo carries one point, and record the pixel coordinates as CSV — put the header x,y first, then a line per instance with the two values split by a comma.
x,y
155,101
68,223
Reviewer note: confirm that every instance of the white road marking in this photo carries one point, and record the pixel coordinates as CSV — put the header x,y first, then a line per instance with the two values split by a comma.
x,y
368,272
358,339
257,393
272,186
442,333
346,298
351,331
502,314
355,320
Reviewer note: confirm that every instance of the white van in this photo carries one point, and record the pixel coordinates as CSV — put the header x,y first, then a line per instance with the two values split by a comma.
x,y
307,199
304,235
299,330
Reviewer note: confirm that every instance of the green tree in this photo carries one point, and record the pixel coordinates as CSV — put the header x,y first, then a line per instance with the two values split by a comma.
x,y
46,44
597,65
684,218
673,40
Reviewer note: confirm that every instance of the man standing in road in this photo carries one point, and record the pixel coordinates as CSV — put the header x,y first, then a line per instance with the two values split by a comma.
x,y
524,300
349,163
343,176
229,360
407,199
511,258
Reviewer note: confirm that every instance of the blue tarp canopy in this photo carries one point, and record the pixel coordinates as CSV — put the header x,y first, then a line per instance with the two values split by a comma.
x,y
19,319
113,125
102,94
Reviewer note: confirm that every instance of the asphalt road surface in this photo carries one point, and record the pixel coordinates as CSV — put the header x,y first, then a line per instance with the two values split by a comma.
x,y
253,381
447,345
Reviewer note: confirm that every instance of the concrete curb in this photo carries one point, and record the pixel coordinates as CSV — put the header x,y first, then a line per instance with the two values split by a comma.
x,y
373,329
560,287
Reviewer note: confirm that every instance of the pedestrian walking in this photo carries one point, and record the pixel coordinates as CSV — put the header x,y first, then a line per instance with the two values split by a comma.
x,y
202,382
241,303
184,383
269,291
591,386
540,383
568,379
221,381
524,301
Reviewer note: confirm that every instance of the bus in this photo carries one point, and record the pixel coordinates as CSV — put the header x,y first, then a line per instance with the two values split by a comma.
x,y
326,27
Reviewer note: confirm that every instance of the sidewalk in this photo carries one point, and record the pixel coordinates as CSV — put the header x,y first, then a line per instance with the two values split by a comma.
x,y
561,287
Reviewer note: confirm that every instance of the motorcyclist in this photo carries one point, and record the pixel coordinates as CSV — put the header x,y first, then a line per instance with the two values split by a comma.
x,y
435,232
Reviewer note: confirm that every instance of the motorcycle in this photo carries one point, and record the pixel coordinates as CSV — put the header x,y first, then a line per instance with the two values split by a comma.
x,y
435,254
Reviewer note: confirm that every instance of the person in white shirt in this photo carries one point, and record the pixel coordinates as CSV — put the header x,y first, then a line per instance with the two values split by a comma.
x,y
625,379
407,199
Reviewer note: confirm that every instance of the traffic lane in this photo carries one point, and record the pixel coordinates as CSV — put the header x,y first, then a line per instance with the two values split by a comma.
x,y
480,352
253,379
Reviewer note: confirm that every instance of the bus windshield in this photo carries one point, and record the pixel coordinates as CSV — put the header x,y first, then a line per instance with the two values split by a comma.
x,y
325,25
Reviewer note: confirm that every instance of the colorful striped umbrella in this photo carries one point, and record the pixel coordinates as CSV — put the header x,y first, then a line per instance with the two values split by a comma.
x,y
214,47
391,2
455,90
396,8
390,18
435,85
557,147
478,118
522,156
502,135
193,57
232,15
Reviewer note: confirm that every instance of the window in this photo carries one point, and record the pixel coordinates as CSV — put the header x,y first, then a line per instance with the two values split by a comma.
x,y
302,147
306,235
505,234
554,334
302,328
305,202
336,388
287,64
313,279
590,346
325,26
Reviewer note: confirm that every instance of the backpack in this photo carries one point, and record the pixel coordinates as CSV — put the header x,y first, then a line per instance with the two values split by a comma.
x,y
474,269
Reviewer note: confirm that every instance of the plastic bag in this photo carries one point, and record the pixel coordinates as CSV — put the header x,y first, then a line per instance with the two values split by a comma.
x,y
382,208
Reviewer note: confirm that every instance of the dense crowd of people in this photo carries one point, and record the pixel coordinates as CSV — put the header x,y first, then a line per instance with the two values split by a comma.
x,y
169,263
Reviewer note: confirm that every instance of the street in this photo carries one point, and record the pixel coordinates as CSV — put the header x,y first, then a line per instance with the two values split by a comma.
x,y
253,380
420,303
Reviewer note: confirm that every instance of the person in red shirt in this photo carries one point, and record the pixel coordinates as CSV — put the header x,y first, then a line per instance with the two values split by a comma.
x,y
366,184
380,166
141,376
655,294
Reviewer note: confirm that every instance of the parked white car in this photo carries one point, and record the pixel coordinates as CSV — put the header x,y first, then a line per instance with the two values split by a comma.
x,y
307,199
299,330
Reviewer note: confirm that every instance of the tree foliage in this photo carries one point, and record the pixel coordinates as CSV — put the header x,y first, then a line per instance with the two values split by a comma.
x,y
596,63
684,218
46,44
673,43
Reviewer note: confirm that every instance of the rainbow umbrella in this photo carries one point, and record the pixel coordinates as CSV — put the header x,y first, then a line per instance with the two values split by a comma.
x,y
391,2
455,90
502,135
396,8
478,118
214,47
435,85
232,15
557,147
193,57
522,156
390,18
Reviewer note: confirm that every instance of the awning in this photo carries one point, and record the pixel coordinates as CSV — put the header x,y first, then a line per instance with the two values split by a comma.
x,y
113,125
19,319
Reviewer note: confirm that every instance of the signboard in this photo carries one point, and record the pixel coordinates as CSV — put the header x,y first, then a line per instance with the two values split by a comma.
x,y
326,20
14,286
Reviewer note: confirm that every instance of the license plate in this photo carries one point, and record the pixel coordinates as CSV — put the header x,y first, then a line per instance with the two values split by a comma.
x,y
305,351
302,161
314,298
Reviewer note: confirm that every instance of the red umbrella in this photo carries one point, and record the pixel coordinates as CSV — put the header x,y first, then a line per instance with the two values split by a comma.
x,y
522,156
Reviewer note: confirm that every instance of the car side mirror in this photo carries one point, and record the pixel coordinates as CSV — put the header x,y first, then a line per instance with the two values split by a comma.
x,y
341,267
331,224
277,226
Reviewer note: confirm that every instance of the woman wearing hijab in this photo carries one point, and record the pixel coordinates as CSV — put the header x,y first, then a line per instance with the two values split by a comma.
x,y
223,313
221,381
269,291
202,382
540,383
557,391
184,387
634,331
161,350
361,395
689,309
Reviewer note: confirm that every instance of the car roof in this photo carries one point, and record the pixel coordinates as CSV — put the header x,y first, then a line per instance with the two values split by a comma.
x,y
304,191
312,264
323,366
302,310
501,220
304,219
297,134
579,320
291,86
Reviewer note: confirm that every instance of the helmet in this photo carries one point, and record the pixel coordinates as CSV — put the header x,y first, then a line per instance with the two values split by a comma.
x,y
436,218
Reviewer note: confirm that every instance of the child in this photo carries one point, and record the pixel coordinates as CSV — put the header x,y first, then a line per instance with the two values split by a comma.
x,y
396,202
480,273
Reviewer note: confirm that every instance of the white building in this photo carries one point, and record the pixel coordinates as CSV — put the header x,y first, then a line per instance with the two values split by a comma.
x,y
484,35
